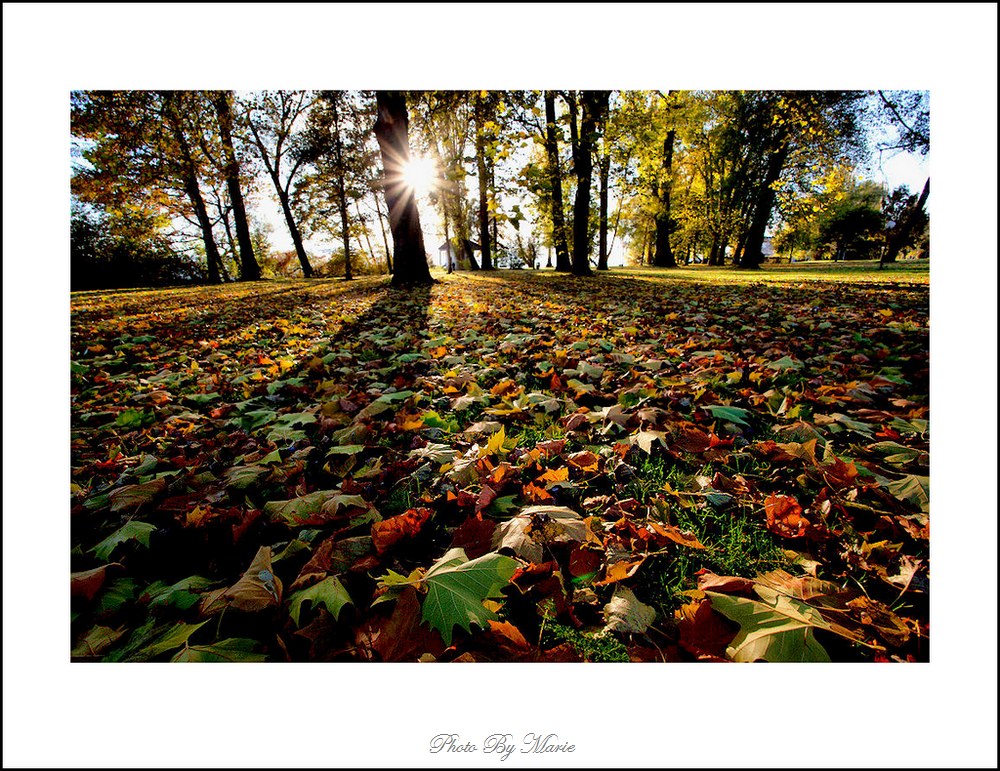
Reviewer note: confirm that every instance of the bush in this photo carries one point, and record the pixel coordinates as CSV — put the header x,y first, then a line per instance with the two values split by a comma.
x,y
100,259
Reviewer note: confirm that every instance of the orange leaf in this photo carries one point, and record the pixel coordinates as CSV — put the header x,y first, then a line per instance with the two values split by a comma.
x,y
784,516
584,460
619,571
387,533
676,535
554,475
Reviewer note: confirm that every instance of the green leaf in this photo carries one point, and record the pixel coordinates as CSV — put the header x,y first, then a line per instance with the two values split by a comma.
x,y
785,362
729,414
778,628
134,496
172,638
183,594
457,587
323,504
134,419
96,641
231,649
897,454
133,530
913,489
116,594
329,592
253,419
245,477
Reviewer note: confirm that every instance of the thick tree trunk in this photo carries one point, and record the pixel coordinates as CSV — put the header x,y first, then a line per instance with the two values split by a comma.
x,y
193,190
604,171
595,103
201,211
664,255
345,231
751,254
555,182
392,131
482,165
293,229
901,233
249,269
467,248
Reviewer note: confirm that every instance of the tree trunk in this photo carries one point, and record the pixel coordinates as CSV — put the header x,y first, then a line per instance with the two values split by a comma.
x,y
479,111
555,182
392,131
364,229
385,238
249,269
901,233
467,248
751,253
595,103
293,229
604,170
193,190
342,192
664,255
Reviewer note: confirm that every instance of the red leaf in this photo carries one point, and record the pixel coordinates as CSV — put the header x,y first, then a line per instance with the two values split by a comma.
x,y
475,535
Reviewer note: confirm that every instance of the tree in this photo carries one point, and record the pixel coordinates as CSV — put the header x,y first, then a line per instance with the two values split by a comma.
x,y
908,223
188,168
796,123
595,105
249,269
272,117
484,112
392,131
555,184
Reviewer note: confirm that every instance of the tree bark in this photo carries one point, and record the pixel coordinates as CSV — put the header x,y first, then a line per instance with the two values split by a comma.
x,y
901,233
193,190
482,163
595,103
385,238
338,152
249,269
751,254
392,131
664,255
293,229
555,182
604,171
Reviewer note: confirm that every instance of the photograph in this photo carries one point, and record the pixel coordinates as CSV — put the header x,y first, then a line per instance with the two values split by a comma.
x,y
593,346
500,376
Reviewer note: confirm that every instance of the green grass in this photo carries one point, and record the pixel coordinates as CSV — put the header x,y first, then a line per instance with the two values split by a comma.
x,y
907,271
736,539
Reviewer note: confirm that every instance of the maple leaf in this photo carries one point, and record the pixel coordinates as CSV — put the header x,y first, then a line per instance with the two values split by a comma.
x,y
457,587
774,628
329,593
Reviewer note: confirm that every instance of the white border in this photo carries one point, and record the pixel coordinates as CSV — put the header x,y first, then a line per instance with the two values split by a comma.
x,y
943,713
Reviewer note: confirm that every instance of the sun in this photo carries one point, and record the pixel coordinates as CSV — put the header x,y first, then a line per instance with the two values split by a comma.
x,y
420,174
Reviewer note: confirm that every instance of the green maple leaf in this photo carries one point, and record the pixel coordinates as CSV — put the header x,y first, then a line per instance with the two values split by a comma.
x,y
456,588
777,628
134,530
329,592
230,649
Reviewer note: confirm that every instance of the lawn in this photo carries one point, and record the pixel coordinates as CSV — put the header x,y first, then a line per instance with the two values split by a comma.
x,y
698,464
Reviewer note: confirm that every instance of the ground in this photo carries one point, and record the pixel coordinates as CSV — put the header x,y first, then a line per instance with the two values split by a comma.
x,y
693,464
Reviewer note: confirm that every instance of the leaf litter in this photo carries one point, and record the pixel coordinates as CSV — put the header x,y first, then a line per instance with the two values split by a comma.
x,y
526,468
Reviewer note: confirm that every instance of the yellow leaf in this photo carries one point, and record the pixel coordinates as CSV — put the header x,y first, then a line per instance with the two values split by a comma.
x,y
495,444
